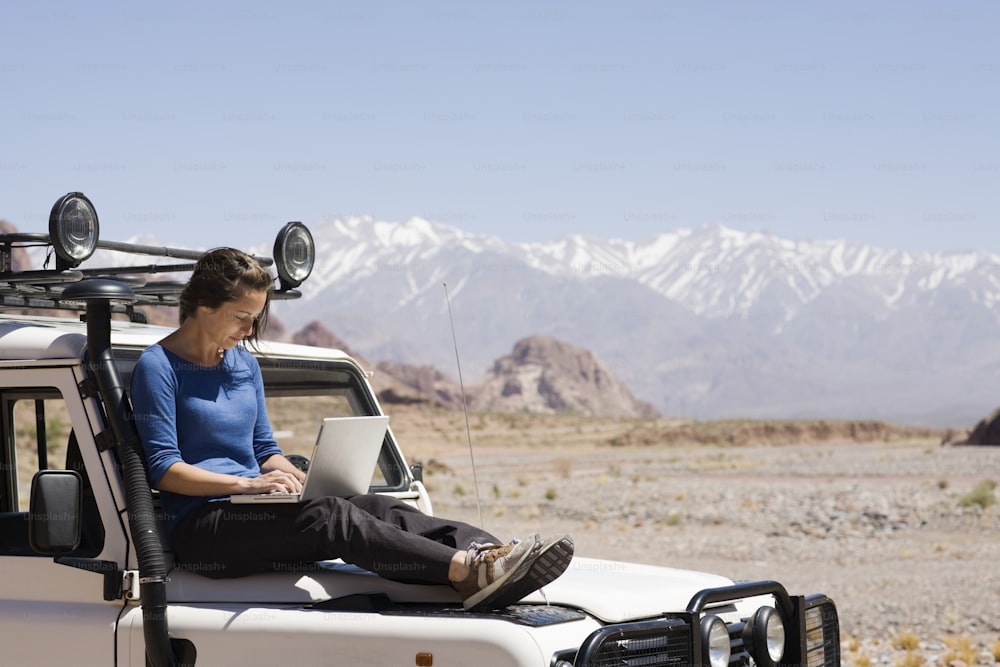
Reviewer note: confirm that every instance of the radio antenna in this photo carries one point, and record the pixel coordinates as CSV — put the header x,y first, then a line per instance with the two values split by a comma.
x,y
465,405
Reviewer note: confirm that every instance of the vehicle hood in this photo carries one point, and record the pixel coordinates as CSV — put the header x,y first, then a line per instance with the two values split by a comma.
x,y
609,590
614,591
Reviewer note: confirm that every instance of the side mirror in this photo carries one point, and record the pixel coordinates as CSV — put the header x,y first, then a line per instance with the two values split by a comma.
x,y
54,515
417,470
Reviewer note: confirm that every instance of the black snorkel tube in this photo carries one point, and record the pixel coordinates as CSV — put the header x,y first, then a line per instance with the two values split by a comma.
x,y
98,294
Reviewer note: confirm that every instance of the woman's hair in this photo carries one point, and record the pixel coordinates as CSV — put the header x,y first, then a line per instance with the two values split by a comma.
x,y
222,275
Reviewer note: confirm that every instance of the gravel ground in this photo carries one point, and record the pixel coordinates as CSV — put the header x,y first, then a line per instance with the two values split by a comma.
x,y
896,534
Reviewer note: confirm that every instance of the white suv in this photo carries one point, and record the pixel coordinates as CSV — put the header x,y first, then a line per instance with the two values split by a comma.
x,y
86,578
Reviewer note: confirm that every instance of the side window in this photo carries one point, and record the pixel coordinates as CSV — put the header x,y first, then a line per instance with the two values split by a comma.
x,y
36,431
35,428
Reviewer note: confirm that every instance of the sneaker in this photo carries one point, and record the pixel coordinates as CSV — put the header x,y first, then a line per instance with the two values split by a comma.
x,y
500,575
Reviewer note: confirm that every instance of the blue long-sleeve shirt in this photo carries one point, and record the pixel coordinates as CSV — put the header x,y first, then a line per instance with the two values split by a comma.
x,y
211,417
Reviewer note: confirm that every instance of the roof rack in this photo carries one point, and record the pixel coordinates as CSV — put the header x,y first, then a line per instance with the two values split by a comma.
x,y
74,236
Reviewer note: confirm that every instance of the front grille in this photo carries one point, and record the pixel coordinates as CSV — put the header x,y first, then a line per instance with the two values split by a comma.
x,y
660,643
822,634
811,624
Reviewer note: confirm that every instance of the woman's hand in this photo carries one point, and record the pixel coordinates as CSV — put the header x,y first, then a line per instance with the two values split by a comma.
x,y
190,480
275,481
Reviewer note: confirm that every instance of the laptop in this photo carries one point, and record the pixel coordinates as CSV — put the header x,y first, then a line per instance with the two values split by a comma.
x,y
342,462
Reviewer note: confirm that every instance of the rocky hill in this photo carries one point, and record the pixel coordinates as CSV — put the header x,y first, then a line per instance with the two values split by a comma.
x,y
317,335
390,387
544,374
541,375
424,383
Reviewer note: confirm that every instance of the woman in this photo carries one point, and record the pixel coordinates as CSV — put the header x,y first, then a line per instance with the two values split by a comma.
x,y
198,401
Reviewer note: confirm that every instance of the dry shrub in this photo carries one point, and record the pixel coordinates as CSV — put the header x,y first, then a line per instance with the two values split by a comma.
x,y
906,641
862,661
564,466
960,648
909,660
674,518
981,495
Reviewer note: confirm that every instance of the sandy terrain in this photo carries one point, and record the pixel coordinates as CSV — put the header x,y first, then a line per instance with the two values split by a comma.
x,y
901,533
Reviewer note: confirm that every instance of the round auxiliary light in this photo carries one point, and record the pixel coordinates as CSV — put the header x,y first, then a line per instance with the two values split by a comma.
x,y
294,254
715,641
764,634
73,229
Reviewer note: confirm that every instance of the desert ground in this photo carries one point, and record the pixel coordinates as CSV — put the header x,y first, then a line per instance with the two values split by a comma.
x,y
903,533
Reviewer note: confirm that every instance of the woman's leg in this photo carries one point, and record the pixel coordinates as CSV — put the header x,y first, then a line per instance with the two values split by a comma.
x,y
223,540
455,534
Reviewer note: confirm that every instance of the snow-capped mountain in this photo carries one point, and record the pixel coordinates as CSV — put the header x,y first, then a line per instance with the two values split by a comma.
x,y
713,271
706,322
703,322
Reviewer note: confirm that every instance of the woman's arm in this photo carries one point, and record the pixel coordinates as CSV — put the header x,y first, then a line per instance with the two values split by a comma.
x,y
186,479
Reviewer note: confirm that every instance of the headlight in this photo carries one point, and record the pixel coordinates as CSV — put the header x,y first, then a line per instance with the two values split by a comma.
x,y
73,229
294,253
715,641
764,635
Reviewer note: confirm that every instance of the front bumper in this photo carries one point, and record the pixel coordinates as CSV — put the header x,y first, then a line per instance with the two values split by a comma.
x,y
811,625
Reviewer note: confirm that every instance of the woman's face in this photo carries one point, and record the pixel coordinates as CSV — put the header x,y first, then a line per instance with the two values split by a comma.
x,y
233,321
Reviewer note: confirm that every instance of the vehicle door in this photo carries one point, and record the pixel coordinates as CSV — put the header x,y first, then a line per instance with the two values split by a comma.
x,y
53,610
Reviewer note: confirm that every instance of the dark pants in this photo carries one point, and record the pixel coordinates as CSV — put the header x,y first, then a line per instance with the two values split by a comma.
x,y
378,533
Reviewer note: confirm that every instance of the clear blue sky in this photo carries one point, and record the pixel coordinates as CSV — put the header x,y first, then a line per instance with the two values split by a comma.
x,y
213,123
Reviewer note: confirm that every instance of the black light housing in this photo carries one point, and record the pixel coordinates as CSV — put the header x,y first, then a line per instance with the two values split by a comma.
x,y
73,229
294,254
715,641
764,636
98,289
